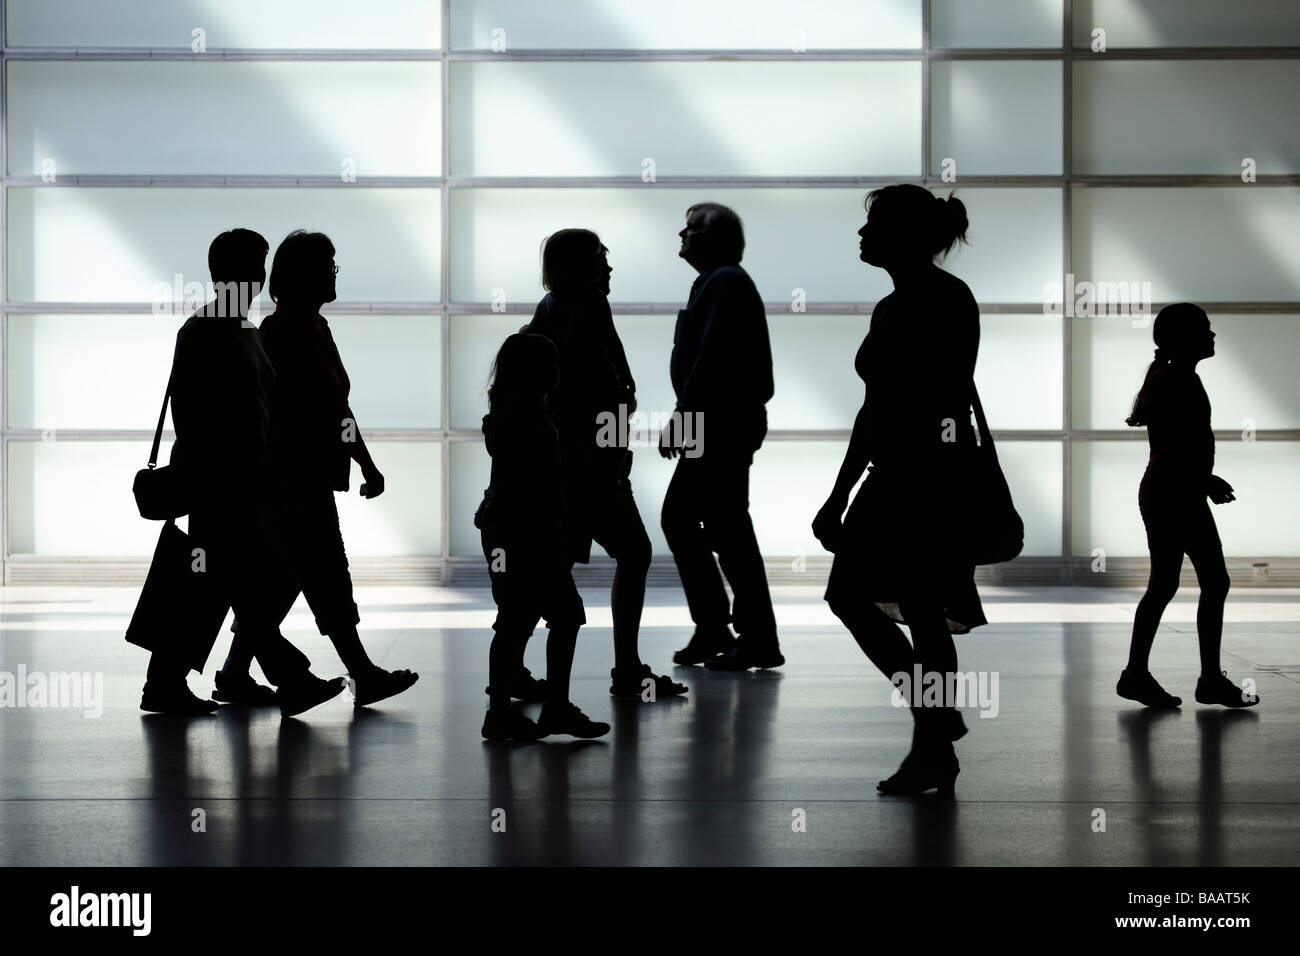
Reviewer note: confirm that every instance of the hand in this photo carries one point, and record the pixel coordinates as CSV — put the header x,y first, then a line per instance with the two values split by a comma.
x,y
669,441
1220,491
828,525
372,485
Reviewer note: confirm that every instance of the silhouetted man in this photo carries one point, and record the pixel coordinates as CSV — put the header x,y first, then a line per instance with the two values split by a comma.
x,y
722,372
221,380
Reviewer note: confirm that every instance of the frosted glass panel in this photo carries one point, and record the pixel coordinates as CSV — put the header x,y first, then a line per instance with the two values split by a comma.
x,y
689,118
1033,470
996,117
158,24
996,24
496,235
1149,117
74,498
395,364
406,520
1213,245
475,340
686,24
1148,23
647,340
795,239
125,242
245,118
1015,243
1251,376
1263,521
1018,372
67,371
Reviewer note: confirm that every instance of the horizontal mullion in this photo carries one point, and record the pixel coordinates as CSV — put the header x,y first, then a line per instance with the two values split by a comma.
x,y
618,308
1076,53
635,182
1220,434
146,434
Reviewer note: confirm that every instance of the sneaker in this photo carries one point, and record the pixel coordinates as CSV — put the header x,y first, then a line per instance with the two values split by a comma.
x,y
506,723
1144,689
568,719
632,684
746,655
305,694
175,700
705,643
526,687
242,691
379,684
1220,690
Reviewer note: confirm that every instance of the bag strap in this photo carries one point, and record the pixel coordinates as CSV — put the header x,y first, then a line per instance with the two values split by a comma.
x,y
986,437
157,433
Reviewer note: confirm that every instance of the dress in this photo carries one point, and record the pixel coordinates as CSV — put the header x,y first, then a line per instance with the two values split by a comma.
x,y
904,538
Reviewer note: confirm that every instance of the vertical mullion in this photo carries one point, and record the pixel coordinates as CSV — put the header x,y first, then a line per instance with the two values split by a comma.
x,y
1067,263
4,295
925,91
444,287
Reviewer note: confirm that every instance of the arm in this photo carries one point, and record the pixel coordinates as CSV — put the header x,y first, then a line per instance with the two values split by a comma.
x,y
372,478
829,520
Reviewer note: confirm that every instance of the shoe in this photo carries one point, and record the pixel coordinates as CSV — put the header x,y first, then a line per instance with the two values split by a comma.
x,y
568,719
177,700
746,655
1144,689
934,767
705,643
526,687
379,684
305,694
1220,690
623,684
506,723
242,691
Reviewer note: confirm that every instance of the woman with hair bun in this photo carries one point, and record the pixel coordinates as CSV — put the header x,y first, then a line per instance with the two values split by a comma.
x,y
1175,410
901,552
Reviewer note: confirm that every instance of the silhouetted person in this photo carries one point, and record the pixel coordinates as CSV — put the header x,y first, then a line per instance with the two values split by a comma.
x,y
900,553
721,369
527,545
220,396
1176,412
594,382
314,440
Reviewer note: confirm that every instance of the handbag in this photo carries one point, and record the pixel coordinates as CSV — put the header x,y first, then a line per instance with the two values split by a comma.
x,y
181,603
996,530
160,493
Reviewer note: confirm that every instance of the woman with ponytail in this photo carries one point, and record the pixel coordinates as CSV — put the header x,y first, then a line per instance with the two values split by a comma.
x,y
901,554
1175,410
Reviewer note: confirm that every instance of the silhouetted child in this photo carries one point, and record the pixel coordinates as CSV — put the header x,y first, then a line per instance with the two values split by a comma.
x,y
1176,412
524,541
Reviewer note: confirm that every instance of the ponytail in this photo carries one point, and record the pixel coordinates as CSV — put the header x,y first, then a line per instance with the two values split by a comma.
x,y
1138,417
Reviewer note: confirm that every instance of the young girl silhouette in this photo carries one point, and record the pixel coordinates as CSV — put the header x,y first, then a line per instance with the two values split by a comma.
x,y
1176,412
524,540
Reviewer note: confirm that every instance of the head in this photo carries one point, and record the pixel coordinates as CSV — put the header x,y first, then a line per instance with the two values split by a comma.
x,y
1183,337
237,263
907,225
526,368
303,270
575,259
714,236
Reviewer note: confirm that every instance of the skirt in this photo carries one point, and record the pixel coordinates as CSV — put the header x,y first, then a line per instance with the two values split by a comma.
x,y
901,543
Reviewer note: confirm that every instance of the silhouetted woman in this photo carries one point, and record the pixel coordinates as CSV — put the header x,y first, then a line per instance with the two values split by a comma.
x,y
524,540
1176,412
314,440
900,552
594,382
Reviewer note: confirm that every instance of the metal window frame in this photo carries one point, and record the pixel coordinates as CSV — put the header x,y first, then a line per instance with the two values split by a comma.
x,y
445,309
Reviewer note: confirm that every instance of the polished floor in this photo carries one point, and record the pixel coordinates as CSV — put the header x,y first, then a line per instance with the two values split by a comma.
x,y
774,768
